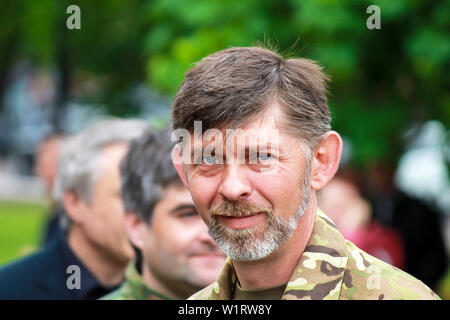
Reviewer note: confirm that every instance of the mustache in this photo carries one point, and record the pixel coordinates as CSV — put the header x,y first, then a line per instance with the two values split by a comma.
x,y
240,208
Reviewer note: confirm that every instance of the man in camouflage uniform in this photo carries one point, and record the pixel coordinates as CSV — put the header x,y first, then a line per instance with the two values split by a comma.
x,y
254,167
176,256
332,268
134,288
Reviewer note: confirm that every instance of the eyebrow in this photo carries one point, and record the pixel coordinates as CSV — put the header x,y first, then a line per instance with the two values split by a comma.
x,y
182,207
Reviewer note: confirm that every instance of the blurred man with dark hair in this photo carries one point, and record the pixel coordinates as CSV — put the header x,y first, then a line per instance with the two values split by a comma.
x,y
177,256
90,260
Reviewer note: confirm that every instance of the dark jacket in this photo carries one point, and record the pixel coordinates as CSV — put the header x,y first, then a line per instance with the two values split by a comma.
x,y
44,275
419,226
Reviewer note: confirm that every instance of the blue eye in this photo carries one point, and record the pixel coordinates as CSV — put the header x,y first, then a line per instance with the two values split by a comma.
x,y
209,160
264,157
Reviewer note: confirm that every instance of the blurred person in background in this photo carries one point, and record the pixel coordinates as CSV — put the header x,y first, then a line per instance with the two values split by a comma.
x,y
46,167
46,163
90,260
418,223
175,255
341,199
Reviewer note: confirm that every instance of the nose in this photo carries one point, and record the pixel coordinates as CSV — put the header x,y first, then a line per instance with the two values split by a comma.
x,y
234,185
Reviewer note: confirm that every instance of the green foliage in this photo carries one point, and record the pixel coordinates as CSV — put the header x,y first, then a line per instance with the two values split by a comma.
x,y
382,80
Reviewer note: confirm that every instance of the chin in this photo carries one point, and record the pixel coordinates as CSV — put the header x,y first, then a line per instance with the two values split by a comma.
x,y
125,256
202,280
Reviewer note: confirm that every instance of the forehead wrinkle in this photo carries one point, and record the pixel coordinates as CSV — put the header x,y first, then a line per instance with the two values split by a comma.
x,y
227,129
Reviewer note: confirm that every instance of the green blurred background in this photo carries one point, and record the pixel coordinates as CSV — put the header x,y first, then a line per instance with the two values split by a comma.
x,y
383,81
20,228
395,76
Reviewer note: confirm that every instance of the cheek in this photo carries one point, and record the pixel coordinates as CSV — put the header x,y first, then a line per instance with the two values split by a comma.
x,y
176,238
110,219
203,191
282,190
113,209
152,248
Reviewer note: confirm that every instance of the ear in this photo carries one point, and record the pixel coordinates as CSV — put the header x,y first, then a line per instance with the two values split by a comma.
x,y
134,229
325,160
177,160
75,207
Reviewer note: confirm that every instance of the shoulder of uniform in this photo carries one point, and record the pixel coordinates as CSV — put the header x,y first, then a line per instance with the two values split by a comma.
x,y
370,278
117,294
203,294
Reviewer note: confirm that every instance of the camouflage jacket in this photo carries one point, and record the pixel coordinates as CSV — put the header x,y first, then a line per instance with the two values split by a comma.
x,y
332,268
134,288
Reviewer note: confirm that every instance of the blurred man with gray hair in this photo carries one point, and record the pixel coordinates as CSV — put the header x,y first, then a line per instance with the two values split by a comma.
x,y
91,259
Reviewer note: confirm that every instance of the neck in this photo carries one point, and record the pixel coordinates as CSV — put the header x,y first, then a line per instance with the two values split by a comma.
x,y
178,290
266,272
108,271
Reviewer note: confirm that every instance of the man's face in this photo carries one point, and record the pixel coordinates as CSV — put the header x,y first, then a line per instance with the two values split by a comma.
x,y
251,209
104,219
176,246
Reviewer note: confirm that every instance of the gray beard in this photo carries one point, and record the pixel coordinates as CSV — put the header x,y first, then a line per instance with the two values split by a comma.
x,y
260,241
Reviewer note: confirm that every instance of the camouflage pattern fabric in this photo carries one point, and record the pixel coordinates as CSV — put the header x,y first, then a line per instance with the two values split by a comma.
x,y
134,288
332,268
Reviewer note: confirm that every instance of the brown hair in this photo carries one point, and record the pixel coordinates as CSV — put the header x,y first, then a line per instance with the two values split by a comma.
x,y
233,86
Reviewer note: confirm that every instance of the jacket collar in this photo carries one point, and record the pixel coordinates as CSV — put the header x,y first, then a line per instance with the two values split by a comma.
x,y
55,273
319,273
